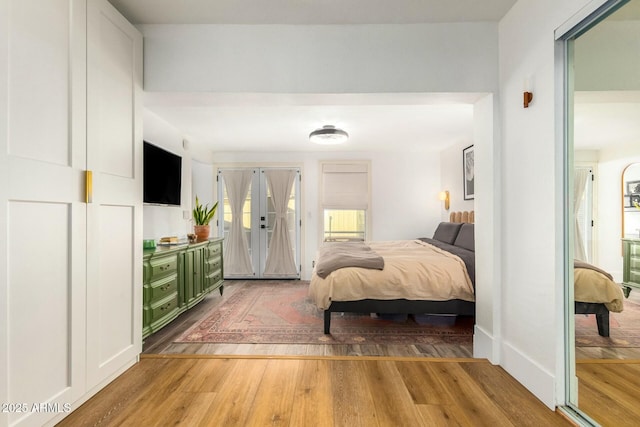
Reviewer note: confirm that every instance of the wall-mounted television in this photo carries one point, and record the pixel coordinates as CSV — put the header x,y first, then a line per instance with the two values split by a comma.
x,y
162,176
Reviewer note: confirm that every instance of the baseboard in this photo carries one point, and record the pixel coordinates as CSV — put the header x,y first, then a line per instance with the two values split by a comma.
x,y
485,346
530,374
89,394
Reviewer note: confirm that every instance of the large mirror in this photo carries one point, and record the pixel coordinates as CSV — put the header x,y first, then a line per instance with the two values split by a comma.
x,y
631,201
603,135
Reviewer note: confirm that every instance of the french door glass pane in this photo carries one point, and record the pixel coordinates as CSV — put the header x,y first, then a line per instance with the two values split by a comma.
x,y
344,224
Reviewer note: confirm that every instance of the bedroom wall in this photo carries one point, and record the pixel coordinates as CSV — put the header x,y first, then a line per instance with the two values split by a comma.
x,y
203,182
452,179
531,302
405,190
612,161
452,57
161,221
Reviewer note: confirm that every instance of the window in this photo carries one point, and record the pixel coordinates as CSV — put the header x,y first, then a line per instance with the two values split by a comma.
x,y
345,200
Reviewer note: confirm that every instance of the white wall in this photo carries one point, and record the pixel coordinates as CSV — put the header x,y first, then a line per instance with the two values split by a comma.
x,y
532,201
611,166
452,57
452,179
162,221
405,190
203,182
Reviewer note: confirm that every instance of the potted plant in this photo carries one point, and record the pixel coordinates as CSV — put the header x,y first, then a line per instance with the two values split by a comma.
x,y
202,215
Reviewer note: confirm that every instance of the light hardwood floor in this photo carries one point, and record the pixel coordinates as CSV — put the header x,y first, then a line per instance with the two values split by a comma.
x,y
609,391
166,390
326,385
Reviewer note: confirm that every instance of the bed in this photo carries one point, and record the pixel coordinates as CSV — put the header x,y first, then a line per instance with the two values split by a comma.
x,y
595,292
422,276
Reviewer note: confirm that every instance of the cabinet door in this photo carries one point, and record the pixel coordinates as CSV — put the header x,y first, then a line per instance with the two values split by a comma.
x,y
114,215
193,274
187,268
198,272
42,242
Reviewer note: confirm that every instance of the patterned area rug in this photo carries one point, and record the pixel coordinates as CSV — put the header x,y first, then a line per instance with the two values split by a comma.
x,y
279,312
624,328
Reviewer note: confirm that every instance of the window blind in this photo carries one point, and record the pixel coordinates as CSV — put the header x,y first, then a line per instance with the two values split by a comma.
x,y
345,186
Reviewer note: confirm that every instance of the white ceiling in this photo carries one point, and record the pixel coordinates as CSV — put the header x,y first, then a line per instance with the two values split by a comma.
x,y
414,122
310,12
261,122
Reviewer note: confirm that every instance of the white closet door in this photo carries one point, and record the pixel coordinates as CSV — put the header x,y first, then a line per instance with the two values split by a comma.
x,y
114,216
42,245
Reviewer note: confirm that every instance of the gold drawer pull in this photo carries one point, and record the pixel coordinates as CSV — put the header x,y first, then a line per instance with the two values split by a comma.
x,y
165,307
165,267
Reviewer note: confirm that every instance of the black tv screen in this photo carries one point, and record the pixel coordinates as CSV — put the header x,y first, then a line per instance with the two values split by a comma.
x,y
162,176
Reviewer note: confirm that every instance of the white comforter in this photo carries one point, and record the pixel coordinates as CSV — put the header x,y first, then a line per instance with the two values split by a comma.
x,y
413,270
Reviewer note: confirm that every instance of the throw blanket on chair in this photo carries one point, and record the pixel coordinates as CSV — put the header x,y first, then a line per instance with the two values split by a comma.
x,y
332,256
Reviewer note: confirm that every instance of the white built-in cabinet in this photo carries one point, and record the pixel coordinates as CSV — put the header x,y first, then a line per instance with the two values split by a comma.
x,y
70,268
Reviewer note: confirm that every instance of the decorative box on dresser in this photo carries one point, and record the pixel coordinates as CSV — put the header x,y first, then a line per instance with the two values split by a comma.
x,y
631,264
178,277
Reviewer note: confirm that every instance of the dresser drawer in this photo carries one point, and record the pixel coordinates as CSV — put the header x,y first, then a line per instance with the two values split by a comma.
x,y
213,279
159,289
162,266
212,251
634,263
634,276
163,308
213,265
634,249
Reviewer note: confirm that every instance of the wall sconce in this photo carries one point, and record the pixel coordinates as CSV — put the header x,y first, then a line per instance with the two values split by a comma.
x,y
444,196
527,95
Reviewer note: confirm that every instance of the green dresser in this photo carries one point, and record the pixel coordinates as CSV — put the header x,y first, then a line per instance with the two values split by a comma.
x,y
176,278
631,264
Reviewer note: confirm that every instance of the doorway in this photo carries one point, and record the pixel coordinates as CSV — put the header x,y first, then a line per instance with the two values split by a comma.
x,y
260,210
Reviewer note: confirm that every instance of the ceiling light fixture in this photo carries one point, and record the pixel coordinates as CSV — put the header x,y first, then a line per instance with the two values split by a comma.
x,y
328,135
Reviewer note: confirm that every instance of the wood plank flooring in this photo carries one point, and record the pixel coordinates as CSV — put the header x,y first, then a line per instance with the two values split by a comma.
x,y
314,391
609,391
598,369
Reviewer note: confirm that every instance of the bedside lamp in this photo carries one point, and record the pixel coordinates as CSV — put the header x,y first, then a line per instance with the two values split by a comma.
x,y
444,196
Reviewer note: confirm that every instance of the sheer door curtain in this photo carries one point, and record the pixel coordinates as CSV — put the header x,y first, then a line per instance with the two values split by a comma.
x,y
237,260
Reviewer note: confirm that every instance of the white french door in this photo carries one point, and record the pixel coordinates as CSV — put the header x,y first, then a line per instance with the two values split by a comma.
x,y
260,210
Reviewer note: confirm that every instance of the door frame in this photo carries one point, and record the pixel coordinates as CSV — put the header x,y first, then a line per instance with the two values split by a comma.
x,y
564,35
255,223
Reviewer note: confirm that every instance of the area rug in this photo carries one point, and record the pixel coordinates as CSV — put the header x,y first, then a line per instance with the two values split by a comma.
x,y
279,312
624,328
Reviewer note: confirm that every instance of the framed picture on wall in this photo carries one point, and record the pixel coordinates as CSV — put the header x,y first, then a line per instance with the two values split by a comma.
x,y
632,187
468,173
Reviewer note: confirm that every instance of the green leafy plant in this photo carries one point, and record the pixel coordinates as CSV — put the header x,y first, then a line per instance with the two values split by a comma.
x,y
202,215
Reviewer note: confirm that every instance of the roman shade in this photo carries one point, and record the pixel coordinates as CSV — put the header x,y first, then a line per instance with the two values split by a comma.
x,y
345,186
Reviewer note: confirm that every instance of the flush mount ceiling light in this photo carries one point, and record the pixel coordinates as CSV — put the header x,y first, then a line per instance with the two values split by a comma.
x,y
328,135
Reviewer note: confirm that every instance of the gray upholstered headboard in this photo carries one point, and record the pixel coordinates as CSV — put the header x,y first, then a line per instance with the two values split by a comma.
x,y
456,234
